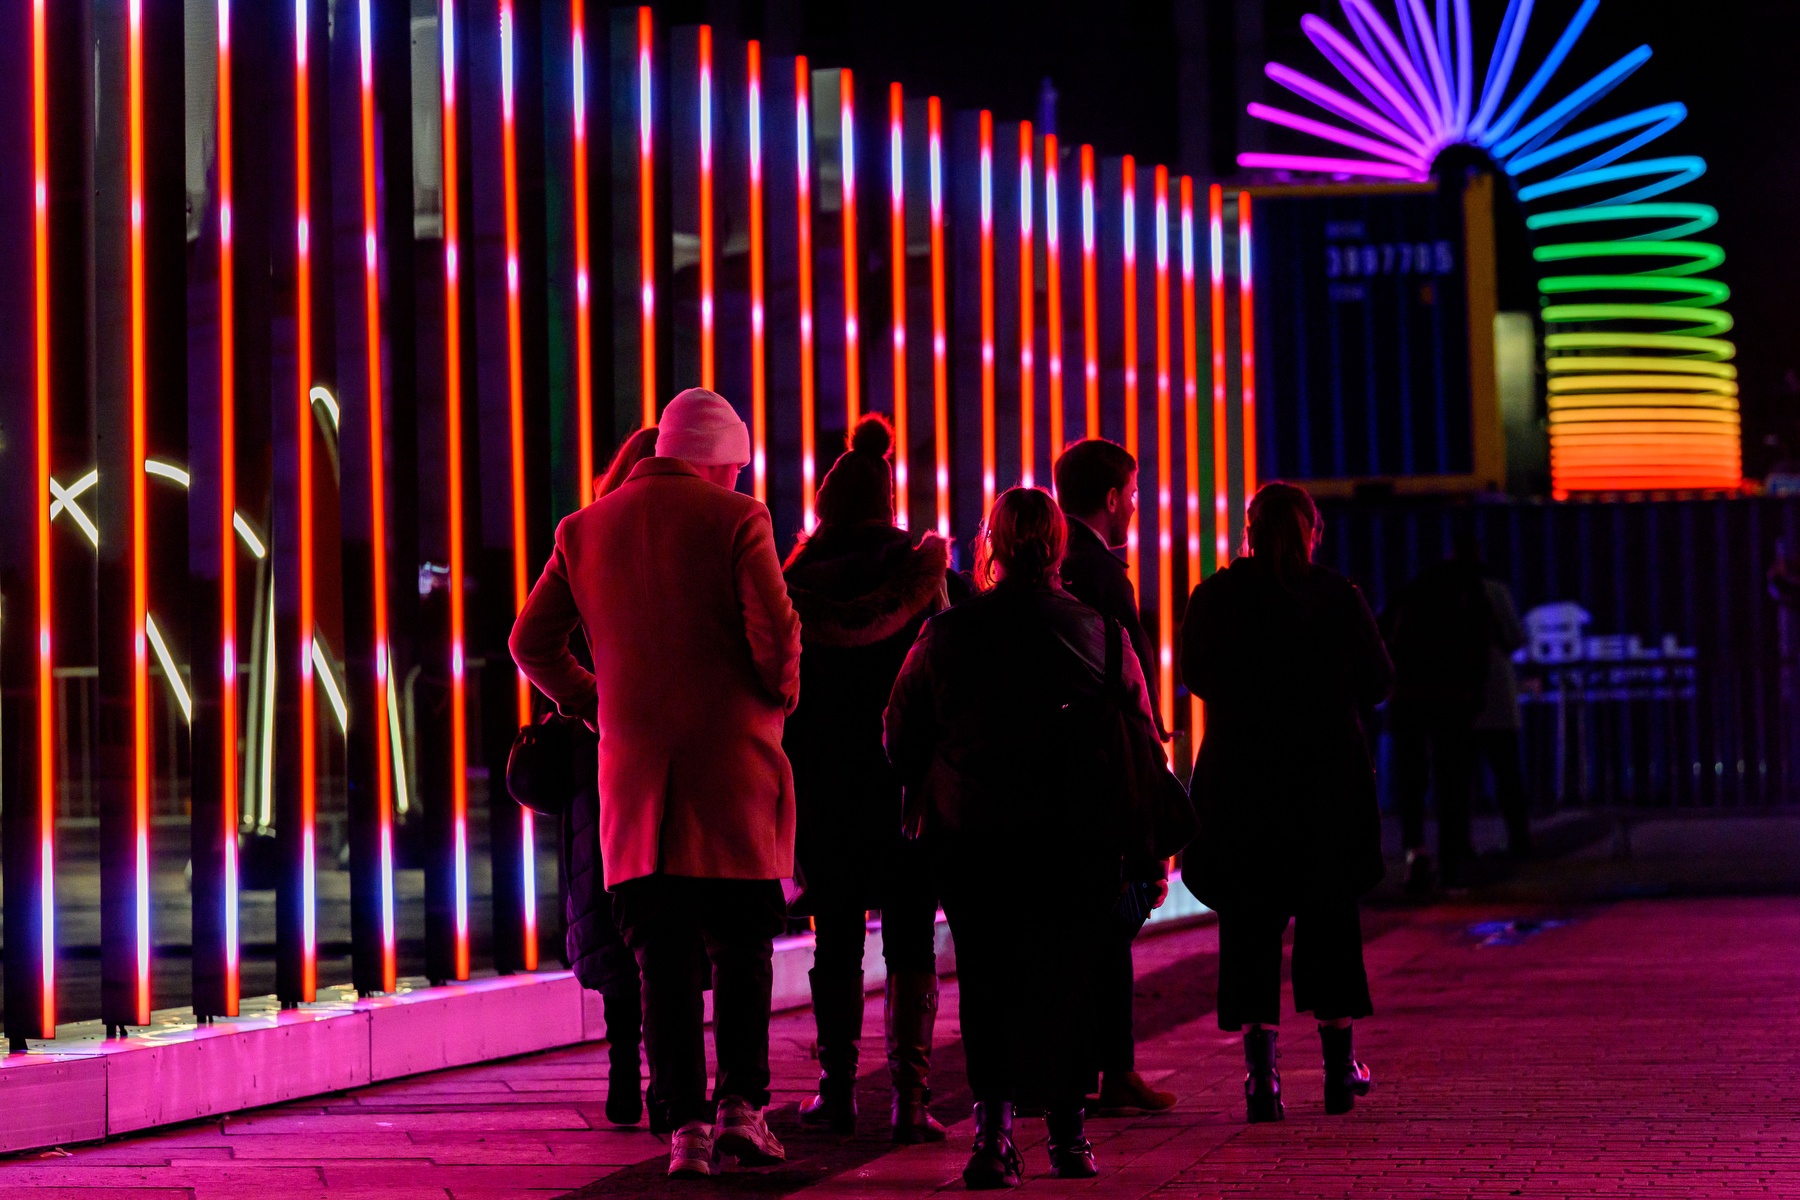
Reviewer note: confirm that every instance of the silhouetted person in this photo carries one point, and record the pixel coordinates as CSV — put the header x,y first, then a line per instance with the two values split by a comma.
x,y
988,728
1286,656
1497,724
862,590
1096,484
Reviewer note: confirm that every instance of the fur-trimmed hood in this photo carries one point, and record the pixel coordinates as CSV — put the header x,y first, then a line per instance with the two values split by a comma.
x,y
864,585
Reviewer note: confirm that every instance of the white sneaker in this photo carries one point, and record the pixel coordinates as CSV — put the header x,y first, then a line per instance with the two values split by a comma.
x,y
743,1133
691,1152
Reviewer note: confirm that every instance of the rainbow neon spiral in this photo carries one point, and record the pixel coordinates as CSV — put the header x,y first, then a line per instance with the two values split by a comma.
x,y
1642,395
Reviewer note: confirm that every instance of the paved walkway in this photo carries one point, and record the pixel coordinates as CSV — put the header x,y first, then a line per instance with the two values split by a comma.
x,y
1647,1048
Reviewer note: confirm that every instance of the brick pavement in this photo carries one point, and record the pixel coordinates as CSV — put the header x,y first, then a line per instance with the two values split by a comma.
x,y
1646,1048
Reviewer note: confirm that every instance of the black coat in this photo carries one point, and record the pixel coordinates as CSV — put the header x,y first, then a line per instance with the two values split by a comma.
x,y
1283,786
862,594
592,945
1098,578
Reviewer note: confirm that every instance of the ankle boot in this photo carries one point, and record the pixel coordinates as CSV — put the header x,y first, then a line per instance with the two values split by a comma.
x,y
838,1010
1071,1154
624,1028
1262,1082
1345,1078
912,1001
994,1162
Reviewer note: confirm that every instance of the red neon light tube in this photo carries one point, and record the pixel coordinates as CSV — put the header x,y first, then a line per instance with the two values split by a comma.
x,y
46,695
459,717
228,708
987,312
646,219
140,559
852,338
1128,182
1247,343
1090,295
1215,215
584,336
1053,297
897,270
303,440
706,212
1165,465
384,750
759,376
1190,404
803,206
1027,319
940,368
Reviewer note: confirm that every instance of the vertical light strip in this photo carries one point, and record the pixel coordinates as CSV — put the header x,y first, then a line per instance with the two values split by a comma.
x,y
646,220
706,209
803,209
228,701
940,358
987,312
584,335
1190,404
303,440
1027,320
1128,198
852,268
140,558
1215,223
515,398
1165,467
897,272
1090,296
1053,297
378,565
459,717
759,375
46,694
1247,343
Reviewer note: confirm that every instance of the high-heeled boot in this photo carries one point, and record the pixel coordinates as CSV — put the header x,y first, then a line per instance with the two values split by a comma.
x,y
912,1002
1345,1078
624,1032
1071,1154
838,1010
1262,1082
994,1162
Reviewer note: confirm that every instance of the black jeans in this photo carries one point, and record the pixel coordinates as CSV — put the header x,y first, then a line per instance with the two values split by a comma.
x,y
1112,1045
1499,748
1329,978
1438,756
908,924
675,926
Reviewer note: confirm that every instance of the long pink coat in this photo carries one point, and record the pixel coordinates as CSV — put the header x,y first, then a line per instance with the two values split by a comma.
x,y
696,665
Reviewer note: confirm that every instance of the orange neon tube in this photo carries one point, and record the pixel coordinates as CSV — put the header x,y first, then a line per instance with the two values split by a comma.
x,y
1190,403
759,373
987,312
46,694
584,336
940,368
459,717
1128,182
228,709
646,220
1165,465
515,395
803,206
852,337
384,750
303,440
1215,205
1247,343
897,272
1027,319
1090,295
706,211
1053,297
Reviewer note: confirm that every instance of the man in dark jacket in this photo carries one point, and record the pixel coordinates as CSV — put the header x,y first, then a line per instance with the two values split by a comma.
x,y
1096,484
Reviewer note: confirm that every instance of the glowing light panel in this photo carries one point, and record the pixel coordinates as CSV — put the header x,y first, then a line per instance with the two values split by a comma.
x,y
852,338
803,207
1215,226
453,451
987,311
940,359
646,218
1027,318
897,274
584,334
1053,317
706,211
759,371
1090,296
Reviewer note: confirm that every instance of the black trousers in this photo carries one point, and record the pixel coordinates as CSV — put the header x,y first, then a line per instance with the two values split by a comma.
x,y
1329,978
1437,756
677,927
908,923
1499,749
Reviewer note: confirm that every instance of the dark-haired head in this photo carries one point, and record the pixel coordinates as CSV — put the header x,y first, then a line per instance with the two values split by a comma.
x,y
1283,529
634,450
860,485
1022,540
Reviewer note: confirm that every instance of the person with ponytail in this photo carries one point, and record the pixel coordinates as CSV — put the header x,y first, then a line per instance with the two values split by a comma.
x,y
1287,657
862,586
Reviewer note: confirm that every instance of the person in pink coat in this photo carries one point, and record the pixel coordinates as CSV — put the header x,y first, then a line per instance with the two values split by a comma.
x,y
675,582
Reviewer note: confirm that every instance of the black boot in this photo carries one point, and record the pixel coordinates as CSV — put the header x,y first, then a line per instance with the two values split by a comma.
x,y
838,1010
1071,1154
994,1162
1345,1078
624,1033
1421,880
912,1001
1262,1082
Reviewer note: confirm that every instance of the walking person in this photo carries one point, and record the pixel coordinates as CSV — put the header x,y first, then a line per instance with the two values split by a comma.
x,y
1498,723
1286,656
675,582
1096,485
991,729
862,589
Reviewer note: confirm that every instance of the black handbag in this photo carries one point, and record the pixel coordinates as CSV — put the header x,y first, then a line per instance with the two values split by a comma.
x,y
550,762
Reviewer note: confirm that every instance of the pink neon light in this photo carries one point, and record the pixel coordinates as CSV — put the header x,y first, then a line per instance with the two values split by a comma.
x,y
46,695
1343,137
584,335
706,211
1329,166
852,340
140,558
1027,319
646,220
940,370
1215,203
1128,180
459,716
1165,465
1247,343
1190,404
759,384
987,312
897,272
1090,296
803,185
1053,297
309,766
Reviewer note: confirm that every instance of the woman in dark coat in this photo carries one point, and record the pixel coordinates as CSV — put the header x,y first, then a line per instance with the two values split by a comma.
x,y
862,588
996,728
1287,657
